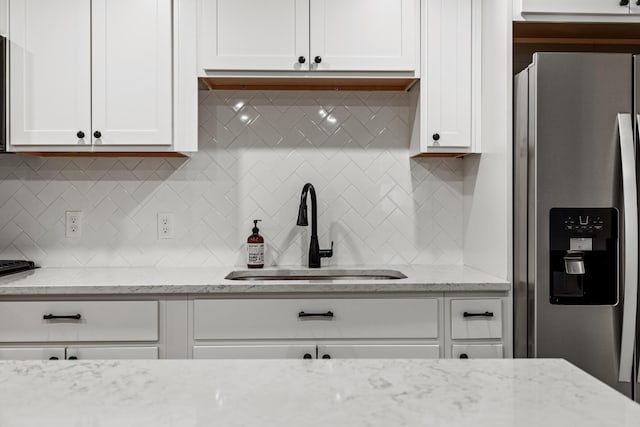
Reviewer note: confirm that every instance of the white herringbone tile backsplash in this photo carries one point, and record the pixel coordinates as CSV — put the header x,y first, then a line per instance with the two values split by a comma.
x,y
256,151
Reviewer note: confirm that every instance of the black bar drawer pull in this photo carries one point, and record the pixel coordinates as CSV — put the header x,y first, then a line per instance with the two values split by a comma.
x,y
485,314
302,314
53,316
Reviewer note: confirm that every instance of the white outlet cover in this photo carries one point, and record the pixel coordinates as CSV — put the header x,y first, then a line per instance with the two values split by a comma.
x,y
73,224
166,222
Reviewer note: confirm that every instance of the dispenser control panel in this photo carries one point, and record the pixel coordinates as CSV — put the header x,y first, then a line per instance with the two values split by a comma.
x,y
584,223
583,256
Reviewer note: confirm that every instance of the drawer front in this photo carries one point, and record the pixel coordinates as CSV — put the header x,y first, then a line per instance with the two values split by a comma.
x,y
379,351
477,351
112,353
257,351
321,318
22,321
470,318
52,353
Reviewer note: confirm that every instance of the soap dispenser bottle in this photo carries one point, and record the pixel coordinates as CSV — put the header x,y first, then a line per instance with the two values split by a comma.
x,y
255,248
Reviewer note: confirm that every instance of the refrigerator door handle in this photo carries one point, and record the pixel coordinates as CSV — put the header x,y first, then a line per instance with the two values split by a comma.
x,y
629,197
637,142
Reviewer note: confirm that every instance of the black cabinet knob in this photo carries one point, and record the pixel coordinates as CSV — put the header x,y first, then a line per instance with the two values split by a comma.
x,y
464,356
72,358
307,356
97,134
624,2
638,2
326,356
53,358
80,134
317,59
302,59
436,136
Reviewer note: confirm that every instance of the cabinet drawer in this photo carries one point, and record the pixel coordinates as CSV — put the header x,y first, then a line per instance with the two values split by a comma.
x,y
476,318
316,318
477,351
22,321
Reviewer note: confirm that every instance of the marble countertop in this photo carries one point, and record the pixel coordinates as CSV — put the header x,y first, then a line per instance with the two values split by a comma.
x,y
392,392
94,281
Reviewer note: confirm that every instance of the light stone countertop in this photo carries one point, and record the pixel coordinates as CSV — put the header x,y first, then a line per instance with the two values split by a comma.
x,y
127,281
282,393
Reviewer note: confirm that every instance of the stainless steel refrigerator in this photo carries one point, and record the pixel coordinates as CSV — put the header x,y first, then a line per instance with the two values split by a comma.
x,y
576,213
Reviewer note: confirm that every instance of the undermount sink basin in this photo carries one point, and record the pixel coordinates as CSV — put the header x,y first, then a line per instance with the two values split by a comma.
x,y
321,274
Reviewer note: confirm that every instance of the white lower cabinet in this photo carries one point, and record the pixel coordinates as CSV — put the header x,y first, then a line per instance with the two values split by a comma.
x,y
79,329
112,353
255,351
477,351
476,326
365,327
79,353
378,351
32,353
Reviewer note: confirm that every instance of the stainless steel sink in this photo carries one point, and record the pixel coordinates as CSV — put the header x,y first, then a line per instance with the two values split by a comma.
x,y
321,274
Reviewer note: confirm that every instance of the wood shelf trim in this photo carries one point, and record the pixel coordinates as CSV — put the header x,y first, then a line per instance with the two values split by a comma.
x,y
307,83
100,154
575,41
440,155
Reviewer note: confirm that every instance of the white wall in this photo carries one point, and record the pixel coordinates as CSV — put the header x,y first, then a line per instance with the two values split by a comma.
x,y
257,149
488,177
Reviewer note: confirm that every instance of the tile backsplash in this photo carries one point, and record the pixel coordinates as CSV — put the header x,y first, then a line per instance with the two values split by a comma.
x,y
256,151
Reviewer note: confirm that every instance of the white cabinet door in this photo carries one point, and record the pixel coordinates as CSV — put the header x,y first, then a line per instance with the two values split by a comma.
x,y
50,85
361,35
255,351
573,7
132,72
112,353
32,353
477,351
253,34
635,7
379,351
448,74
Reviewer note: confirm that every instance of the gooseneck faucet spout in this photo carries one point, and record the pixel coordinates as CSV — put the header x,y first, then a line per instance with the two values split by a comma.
x,y
315,253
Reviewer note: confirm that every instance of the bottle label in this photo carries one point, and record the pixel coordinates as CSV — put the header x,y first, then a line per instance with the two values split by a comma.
x,y
255,253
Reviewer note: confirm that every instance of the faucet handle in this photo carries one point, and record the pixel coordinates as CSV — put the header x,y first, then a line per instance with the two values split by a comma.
x,y
327,253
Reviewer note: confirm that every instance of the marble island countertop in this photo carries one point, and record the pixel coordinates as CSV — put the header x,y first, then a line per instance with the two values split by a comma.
x,y
199,280
392,392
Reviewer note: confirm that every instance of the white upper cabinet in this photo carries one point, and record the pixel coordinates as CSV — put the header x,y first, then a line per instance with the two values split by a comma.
x,y
253,34
50,89
448,73
595,7
89,74
361,35
447,100
131,72
307,35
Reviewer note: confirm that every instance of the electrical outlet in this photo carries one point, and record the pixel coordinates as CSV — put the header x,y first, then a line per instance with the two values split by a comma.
x,y
73,224
165,225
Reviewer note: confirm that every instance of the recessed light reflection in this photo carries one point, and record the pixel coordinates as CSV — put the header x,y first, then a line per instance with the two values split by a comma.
x,y
244,117
322,113
331,119
219,399
239,105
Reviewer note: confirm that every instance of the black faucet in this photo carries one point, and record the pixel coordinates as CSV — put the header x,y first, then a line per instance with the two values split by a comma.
x,y
315,253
